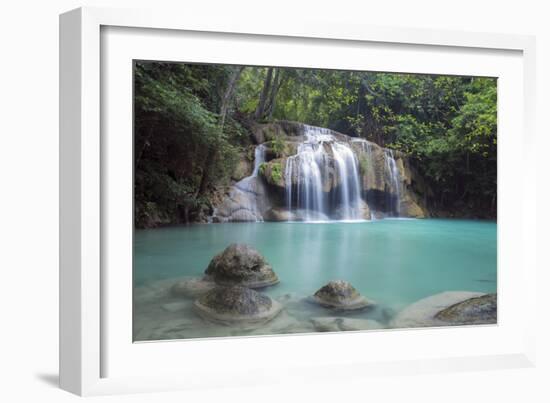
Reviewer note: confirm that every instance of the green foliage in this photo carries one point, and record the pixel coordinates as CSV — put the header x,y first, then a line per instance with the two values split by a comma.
x,y
363,165
181,153
447,124
278,146
276,172
262,167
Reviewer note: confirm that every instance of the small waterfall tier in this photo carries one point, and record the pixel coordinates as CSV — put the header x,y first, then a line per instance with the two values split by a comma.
x,y
322,179
246,199
308,173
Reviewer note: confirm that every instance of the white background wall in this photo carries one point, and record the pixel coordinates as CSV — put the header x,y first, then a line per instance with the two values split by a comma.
x,y
29,201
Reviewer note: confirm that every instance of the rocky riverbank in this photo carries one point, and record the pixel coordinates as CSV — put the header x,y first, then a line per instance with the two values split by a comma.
x,y
222,304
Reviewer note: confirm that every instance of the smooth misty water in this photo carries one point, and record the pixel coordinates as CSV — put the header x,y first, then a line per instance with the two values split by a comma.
x,y
395,262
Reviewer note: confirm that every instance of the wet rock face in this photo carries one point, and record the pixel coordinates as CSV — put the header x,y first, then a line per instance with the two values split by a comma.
x,y
243,168
236,304
240,264
340,294
400,189
477,310
244,202
363,209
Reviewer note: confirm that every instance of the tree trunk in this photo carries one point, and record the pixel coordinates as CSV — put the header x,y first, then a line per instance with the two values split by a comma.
x,y
146,144
206,172
229,92
260,110
277,81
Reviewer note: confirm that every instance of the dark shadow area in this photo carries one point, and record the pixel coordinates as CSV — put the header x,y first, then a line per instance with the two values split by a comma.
x,y
49,379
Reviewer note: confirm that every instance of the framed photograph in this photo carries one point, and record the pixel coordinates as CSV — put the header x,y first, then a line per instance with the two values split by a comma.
x,y
325,199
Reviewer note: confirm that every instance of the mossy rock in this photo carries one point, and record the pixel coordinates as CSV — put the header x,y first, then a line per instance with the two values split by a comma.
x,y
273,172
240,264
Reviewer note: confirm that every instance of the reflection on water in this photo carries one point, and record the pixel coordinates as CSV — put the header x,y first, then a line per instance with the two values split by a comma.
x,y
394,262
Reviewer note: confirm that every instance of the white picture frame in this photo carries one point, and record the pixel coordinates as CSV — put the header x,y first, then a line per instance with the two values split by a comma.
x,y
89,338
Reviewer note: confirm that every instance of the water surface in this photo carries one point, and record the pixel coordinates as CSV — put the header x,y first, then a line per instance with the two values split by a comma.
x,y
393,261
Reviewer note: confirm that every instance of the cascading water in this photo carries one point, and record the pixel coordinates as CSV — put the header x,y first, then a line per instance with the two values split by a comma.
x,y
307,176
259,159
394,177
246,192
350,188
248,184
309,167
323,181
368,153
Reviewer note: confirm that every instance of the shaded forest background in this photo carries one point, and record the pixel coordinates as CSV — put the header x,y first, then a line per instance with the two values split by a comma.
x,y
193,122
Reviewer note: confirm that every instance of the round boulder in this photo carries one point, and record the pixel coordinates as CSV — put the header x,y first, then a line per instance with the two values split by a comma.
x,y
473,311
236,305
341,295
240,264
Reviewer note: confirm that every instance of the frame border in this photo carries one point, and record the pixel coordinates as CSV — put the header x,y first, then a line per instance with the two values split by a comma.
x,y
80,308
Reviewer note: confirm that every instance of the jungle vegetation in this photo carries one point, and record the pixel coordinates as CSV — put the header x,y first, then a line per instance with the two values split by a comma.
x,y
192,123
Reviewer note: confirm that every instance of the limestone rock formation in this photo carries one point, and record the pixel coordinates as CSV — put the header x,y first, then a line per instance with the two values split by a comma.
x,y
240,264
281,214
273,173
322,171
364,212
340,294
243,168
447,309
473,311
236,305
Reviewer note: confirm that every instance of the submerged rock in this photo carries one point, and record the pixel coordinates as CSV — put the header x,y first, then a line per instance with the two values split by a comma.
x,y
436,310
236,305
473,311
336,324
240,264
192,287
176,306
281,214
341,295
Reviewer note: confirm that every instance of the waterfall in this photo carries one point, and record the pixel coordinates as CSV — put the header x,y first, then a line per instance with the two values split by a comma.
x,y
350,188
259,159
367,149
394,179
307,177
242,203
249,183
308,165
331,176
